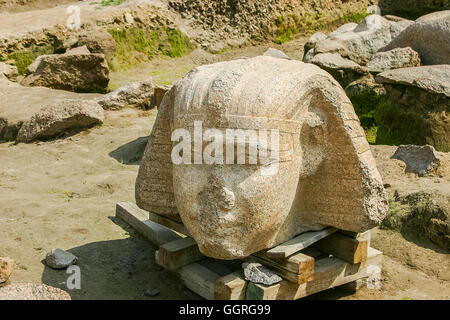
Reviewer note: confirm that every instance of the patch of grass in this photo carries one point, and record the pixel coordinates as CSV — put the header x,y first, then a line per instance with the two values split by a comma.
x,y
22,59
136,45
310,22
397,125
106,3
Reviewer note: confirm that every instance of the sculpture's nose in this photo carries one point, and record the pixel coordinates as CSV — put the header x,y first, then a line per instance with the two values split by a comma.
x,y
225,198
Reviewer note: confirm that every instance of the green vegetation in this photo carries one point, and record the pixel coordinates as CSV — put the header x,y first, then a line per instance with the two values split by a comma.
x,y
22,59
136,45
106,3
310,22
398,126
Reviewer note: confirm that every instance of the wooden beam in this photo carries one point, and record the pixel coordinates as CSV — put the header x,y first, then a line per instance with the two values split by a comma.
x,y
298,243
344,247
197,278
257,291
178,253
231,287
328,273
362,236
138,219
169,223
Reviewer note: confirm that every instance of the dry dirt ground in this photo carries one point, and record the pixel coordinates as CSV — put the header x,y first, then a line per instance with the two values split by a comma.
x,y
62,193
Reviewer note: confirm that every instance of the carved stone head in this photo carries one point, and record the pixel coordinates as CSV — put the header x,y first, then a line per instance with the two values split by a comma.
x,y
315,170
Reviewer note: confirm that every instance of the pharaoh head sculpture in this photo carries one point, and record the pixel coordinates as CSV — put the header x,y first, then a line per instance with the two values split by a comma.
x,y
270,148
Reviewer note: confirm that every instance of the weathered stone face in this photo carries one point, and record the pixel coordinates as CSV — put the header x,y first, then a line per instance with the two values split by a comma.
x,y
325,174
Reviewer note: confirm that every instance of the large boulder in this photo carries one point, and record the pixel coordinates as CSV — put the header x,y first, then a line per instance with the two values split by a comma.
x,y
429,36
136,94
59,117
32,291
371,35
343,70
416,109
313,40
73,72
272,52
394,59
98,41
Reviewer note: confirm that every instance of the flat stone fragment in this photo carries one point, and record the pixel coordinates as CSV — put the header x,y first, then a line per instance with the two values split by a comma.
x,y
434,79
32,291
334,61
271,52
6,268
60,259
59,117
137,94
394,59
418,159
257,273
429,36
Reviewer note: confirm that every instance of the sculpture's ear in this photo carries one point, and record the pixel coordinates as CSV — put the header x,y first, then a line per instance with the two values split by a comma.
x,y
154,185
339,183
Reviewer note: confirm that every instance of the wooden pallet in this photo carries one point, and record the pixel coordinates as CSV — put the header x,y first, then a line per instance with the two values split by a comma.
x,y
309,263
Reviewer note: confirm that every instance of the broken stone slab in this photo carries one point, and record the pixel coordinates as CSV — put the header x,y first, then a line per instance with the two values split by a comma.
x,y
78,50
72,72
345,71
98,41
272,52
8,71
6,268
60,116
313,40
257,273
348,27
32,291
418,159
429,36
325,155
60,259
30,100
332,46
136,94
434,79
394,59
370,36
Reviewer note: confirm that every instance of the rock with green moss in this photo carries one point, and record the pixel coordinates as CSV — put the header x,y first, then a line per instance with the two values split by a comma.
x,y
416,108
72,72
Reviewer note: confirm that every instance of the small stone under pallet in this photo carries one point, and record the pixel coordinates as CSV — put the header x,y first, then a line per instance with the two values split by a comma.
x,y
309,263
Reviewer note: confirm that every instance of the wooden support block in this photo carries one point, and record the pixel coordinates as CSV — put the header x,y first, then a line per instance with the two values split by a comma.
x,y
169,223
363,236
197,278
178,253
298,243
301,263
329,273
256,291
344,247
138,219
231,287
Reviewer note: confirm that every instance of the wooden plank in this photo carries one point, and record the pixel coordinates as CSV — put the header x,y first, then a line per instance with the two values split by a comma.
x,y
231,287
138,219
169,223
178,253
197,278
362,236
257,291
298,243
284,273
344,247
330,273
299,263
